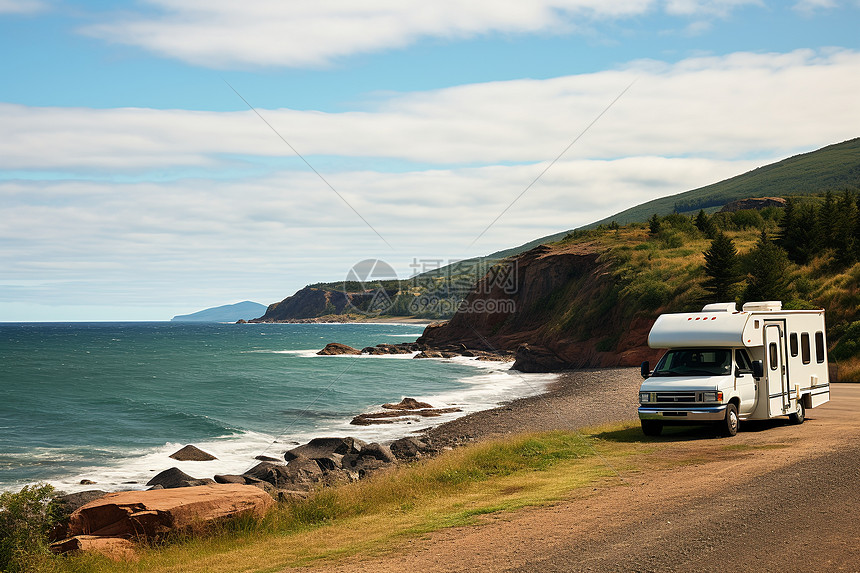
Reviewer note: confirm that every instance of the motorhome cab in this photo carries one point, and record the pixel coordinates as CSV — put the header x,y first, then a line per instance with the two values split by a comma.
x,y
723,366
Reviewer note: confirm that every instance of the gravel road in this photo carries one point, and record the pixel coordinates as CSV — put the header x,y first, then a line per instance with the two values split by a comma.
x,y
775,497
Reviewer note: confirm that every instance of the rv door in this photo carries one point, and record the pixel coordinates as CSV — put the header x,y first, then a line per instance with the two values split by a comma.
x,y
774,367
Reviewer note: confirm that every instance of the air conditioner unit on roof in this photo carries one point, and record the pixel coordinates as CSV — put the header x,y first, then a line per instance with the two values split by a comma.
x,y
763,305
720,307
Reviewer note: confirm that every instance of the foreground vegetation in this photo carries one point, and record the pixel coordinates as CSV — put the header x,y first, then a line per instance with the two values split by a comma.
x,y
372,516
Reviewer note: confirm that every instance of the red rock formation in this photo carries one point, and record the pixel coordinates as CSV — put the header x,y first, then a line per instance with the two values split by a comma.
x,y
554,306
151,514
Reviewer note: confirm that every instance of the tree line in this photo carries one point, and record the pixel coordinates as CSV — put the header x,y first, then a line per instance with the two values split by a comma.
x,y
804,231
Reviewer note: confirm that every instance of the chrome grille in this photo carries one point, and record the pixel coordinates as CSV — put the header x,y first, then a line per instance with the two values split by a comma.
x,y
675,397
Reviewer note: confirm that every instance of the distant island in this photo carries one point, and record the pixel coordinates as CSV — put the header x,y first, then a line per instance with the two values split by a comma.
x,y
245,310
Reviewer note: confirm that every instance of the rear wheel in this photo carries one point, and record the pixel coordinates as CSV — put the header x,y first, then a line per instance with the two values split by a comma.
x,y
729,425
799,416
651,427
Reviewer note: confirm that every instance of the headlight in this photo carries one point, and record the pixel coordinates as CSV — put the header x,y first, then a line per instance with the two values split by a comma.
x,y
644,397
712,396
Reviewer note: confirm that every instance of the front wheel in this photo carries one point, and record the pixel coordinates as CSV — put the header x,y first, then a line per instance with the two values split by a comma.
x,y
799,416
729,425
651,427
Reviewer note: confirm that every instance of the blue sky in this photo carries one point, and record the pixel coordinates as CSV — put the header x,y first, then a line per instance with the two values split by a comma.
x,y
136,184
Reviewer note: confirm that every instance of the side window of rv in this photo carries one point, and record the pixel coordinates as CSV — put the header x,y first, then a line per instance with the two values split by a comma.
x,y
773,355
792,343
819,347
743,361
804,347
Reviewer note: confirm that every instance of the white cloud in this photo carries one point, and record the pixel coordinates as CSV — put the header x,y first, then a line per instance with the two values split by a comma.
x,y
707,7
21,6
224,34
100,239
91,243
725,107
810,7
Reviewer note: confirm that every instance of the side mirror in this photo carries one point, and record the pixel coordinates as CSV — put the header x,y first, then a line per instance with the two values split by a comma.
x,y
758,369
645,369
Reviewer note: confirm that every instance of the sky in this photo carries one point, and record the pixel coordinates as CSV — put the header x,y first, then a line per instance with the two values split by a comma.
x,y
159,157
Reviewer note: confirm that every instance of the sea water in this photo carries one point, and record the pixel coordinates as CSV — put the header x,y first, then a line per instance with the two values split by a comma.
x,y
109,402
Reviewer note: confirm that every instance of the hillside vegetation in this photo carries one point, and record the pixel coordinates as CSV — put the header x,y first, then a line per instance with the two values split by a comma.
x,y
660,267
831,168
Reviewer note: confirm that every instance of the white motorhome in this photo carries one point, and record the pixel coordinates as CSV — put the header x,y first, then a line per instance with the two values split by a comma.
x,y
723,365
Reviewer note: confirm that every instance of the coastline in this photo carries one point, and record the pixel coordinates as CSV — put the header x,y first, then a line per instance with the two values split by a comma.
x,y
576,399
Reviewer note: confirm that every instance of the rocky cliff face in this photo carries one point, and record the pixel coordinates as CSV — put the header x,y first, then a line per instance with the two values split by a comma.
x,y
556,306
311,303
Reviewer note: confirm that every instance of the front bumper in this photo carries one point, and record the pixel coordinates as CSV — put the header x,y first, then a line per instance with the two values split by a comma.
x,y
683,414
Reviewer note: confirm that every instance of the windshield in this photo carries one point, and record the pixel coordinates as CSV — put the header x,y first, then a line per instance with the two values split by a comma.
x,y
695,362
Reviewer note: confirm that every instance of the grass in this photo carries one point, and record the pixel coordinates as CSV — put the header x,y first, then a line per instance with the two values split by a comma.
x,y
458,488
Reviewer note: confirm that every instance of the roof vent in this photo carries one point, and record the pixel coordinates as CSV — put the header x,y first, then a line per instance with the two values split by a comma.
x,y
763,305
721,307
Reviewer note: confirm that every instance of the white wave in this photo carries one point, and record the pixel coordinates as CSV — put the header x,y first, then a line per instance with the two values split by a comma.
x,y
235,455
492,384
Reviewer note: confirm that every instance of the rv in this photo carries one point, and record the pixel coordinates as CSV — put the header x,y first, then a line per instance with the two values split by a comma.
x,y
723,366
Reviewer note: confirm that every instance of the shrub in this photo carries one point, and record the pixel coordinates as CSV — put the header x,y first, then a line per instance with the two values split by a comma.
x,y
650,294
26,518
849,343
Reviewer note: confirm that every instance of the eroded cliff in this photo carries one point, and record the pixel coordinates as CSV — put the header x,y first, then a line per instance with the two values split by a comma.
x,y
557,306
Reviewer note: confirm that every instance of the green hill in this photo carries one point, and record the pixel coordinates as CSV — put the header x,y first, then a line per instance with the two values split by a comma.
x,y
832,168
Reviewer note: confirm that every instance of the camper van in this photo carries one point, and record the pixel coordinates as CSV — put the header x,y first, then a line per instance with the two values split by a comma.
x,y
723,366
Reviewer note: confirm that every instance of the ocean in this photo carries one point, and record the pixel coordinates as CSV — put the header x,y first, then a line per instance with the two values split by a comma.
x,y
109,402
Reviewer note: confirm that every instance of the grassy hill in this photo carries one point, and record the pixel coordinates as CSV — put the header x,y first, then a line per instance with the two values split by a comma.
x,y
832,168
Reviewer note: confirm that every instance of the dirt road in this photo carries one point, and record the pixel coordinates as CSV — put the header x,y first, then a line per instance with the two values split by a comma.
x,y
774,498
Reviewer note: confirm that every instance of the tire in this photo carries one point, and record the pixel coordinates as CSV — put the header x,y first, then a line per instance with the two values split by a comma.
x,y
651,427
729,425
798,417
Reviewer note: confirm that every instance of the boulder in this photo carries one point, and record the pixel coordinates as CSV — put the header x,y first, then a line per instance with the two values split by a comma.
x,y
174,477
192,454
362,465
300,470
72,501
379,452
336,348
407,404
324,447
114,548
381,349
538,359
406,448
242,480
66,505
398,415
151,514
436,354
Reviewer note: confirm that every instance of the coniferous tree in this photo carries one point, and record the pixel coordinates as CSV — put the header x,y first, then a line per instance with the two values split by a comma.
x,y
799,231
654,225
705,225
767,266
722,268
826,222
844,229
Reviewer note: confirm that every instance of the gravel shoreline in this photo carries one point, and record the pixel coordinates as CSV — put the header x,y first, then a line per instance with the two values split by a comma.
x,y
578,398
